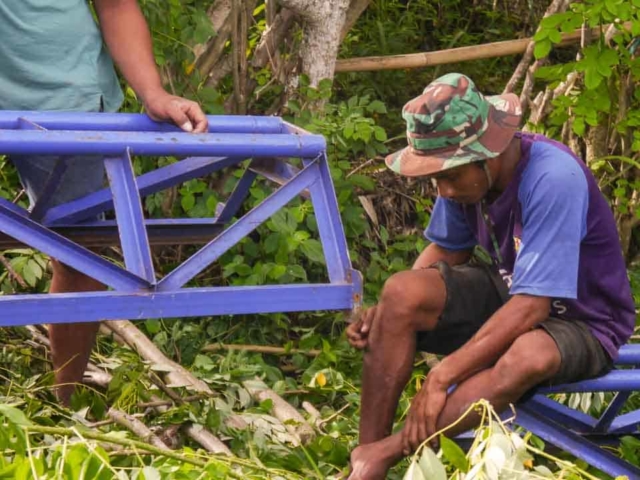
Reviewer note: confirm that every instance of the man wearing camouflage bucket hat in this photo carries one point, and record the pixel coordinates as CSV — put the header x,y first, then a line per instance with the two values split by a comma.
x,y
550,303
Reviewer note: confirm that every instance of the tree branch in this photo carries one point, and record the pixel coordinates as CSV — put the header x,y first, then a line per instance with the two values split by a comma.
x,y
555,7
137,427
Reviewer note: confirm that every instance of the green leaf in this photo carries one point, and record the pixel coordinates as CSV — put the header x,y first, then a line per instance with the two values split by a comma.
x,y
301,236
29,276
414,472
152,325
188,201
380,134
292,223
542,49
431,465
243,270
277,271
552,21
150,473
541,34
297,271
313,250
606,60
363,181
454,454
554,36
377,107
211,204
578,126
14,416
280,223
612,6
272,242
348,131
592,78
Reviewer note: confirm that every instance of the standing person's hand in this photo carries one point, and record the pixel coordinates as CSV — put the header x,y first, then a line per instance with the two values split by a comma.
x,y
358,331
186,114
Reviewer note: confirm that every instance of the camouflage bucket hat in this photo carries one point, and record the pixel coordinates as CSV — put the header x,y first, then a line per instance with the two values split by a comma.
x,y
453,124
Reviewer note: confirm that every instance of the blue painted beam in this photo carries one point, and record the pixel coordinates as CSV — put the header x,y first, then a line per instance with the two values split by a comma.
x,y
95,306
561,414
237,197
109,143
69,253
330,228
13,207
625,424
130,217
615,381
151,182
629,355
612,411
137,122
591,453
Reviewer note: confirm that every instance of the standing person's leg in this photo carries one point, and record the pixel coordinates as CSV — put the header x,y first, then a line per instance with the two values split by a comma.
x,y
71,344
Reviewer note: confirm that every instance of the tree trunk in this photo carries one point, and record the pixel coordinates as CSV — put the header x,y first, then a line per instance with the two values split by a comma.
x,y
323,21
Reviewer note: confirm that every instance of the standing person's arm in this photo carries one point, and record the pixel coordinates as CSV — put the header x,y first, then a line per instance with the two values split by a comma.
x,y
126,34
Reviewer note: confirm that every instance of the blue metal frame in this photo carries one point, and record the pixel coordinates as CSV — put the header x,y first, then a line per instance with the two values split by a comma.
x,y
269,144
580,434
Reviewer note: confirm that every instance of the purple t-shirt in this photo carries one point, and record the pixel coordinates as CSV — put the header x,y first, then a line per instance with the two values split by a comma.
x,y
557,238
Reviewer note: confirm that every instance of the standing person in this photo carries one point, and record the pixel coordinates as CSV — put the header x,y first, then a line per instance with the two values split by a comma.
x,y
553,306
55,57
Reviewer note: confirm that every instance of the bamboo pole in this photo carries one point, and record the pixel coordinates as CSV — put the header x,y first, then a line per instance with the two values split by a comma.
x,y
452,55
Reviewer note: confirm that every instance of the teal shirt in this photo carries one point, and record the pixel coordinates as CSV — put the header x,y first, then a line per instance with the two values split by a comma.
x,y
52,58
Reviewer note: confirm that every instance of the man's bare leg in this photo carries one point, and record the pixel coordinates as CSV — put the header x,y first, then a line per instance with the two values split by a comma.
x,y
410,301
71,344
533,358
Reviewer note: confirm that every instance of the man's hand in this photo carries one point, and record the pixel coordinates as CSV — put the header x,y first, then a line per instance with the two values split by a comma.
x,y
185,113
423,416
358,331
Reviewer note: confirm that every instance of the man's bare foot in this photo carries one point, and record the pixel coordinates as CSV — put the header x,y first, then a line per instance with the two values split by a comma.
x,y
373,461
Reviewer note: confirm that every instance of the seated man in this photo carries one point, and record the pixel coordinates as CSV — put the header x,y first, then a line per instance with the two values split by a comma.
x,y
554,306
52,57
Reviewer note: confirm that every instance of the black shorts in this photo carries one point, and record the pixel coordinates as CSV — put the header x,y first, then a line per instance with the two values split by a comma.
x,y
475,291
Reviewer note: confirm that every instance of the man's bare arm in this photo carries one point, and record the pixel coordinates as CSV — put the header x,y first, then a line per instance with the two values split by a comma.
x,y
516,317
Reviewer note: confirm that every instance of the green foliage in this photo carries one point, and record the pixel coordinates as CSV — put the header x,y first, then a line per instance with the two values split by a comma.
x,y
26,271
394,27
601,109
177,26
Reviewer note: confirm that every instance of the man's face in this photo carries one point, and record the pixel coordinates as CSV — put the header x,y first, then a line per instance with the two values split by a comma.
x,y
466,184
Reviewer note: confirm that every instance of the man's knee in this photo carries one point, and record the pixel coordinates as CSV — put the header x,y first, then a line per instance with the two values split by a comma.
x,y
409,296
531,359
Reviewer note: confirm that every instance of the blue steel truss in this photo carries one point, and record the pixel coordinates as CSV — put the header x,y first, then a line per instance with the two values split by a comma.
x,y
583,435
66,231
